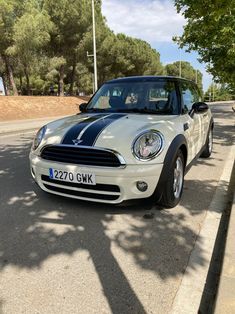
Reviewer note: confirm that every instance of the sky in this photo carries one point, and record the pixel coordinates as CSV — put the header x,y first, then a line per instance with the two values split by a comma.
x,y
155,21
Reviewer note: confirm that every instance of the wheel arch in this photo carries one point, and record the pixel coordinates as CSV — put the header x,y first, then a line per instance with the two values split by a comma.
x,y
211,124
184,150
178,143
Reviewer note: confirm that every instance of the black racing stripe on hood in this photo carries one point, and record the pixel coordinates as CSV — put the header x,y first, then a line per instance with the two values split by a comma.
x,y
75,130
90,135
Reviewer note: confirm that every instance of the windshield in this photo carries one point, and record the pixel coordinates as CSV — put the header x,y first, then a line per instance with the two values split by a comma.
x,y
140,97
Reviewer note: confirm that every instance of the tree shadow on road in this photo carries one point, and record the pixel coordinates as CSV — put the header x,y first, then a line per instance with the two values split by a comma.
x,y
30,220
224,133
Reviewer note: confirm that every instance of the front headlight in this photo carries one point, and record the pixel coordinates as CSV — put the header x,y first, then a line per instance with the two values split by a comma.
x,y
38,138
147,145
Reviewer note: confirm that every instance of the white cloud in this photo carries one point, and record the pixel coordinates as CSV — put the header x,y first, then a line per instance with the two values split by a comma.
x,y
151,20
155,21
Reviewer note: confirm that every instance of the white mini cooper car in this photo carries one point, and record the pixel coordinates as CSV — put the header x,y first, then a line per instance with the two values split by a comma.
x,y
135,138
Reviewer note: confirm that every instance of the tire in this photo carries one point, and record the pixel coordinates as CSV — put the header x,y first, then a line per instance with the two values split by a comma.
x,y
174,185
209,145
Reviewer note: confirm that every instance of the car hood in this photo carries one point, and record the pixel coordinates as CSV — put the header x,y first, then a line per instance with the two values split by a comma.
x,y
111,131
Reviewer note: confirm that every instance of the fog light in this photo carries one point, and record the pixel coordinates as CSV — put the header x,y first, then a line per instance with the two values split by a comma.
x,y
142,186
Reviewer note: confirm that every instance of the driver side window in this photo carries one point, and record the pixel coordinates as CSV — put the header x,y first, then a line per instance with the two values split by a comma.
x,y
189,96
111,95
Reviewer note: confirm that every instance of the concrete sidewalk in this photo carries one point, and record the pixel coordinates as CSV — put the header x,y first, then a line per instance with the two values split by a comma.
x,y
225,303
194,278
17,126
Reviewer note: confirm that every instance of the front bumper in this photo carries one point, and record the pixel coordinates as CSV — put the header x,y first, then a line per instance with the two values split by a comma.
x,y
113,185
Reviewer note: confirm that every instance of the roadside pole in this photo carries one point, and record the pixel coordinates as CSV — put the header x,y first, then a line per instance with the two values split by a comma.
x,y
94,46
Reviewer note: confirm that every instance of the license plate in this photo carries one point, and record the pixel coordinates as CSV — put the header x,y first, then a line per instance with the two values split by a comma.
x,y
68,176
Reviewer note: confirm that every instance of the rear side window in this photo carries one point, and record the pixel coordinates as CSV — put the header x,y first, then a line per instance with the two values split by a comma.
x,y
189,95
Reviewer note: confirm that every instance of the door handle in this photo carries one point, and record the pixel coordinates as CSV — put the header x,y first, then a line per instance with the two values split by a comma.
x,y
186,126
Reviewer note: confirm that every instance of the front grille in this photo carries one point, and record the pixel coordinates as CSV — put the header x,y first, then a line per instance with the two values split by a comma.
x,y
99,191
81,156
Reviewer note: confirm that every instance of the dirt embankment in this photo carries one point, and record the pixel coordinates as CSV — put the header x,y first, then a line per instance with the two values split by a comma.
x,y
33,107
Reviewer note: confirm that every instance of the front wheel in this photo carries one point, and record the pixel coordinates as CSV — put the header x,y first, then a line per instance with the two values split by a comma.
x,y
209,145
174,185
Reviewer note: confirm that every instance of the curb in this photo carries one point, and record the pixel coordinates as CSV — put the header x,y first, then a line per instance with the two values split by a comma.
x,y
18,132
220,102
24,126
189,294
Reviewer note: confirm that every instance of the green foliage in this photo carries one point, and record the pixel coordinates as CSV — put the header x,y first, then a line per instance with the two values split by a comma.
x,y
120,55
9,11
210,30
84,79
217,92
53,68
31,33
134,57
187,71
70,21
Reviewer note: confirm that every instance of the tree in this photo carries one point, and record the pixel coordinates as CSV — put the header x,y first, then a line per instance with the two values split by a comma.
x,y
9,11
120,55
71,22
31,34
135,57
187,71
210,30
45,43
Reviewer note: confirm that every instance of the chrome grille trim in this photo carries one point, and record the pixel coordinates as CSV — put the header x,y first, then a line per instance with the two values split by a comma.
x,y
92,196
80,189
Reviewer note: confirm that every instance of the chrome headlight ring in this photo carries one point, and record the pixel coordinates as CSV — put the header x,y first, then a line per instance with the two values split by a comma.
x,y
39,136
148,145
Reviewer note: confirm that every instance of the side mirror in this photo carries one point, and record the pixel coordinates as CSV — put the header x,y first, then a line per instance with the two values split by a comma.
x,y
82,107
199,107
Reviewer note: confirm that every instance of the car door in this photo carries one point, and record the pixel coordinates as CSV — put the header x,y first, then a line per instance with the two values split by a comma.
x,y
205,118
189,96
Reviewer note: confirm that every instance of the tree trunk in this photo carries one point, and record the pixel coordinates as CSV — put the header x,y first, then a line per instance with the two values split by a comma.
x,y
21,85
61,81
10,75
27,80
72,77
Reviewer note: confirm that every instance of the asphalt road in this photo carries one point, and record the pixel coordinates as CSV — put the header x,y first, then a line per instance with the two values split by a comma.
x,y
66,256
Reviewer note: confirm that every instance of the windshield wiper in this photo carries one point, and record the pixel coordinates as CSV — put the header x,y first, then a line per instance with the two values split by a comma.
x,y
138,110
95,110
127,110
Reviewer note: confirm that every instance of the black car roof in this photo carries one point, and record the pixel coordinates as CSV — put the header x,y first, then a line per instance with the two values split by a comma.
x,y
146,79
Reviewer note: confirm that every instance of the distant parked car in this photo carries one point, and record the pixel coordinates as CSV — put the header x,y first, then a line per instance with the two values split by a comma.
x,y
135,138
2,92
